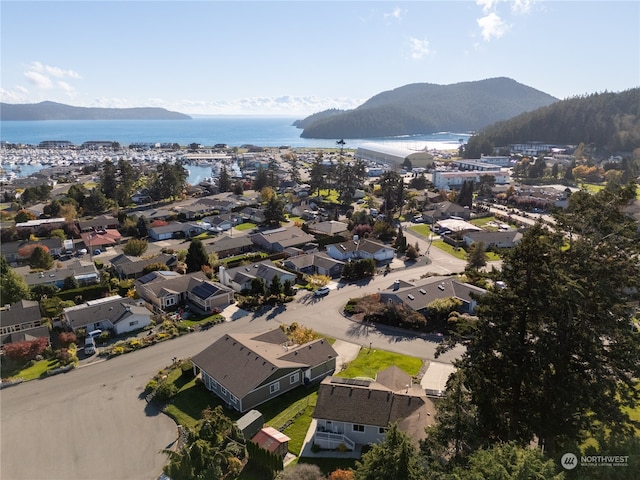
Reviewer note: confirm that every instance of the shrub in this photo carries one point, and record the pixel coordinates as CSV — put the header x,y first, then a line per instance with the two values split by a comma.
x,y
119,350
25,350
166,391
135,247
151,386
104,337
67,338
135,343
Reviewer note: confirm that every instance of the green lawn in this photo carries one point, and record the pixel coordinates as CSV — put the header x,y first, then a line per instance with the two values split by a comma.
x,y
37,370
245,226
204,236
369,362
422,229
481,222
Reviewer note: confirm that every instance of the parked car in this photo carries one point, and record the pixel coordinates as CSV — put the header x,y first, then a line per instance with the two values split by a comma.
x,y
322,291
97,251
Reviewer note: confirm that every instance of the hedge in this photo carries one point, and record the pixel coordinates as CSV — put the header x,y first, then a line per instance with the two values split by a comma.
x,y
91,292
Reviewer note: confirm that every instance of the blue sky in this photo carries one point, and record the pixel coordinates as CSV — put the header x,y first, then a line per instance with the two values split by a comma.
x,y
300,57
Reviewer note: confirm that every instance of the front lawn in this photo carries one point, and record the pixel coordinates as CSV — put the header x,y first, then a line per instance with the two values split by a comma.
x,y
37,370
369,362
245,226
422,229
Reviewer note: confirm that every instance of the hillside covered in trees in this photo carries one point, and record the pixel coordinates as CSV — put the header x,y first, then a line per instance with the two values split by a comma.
x,y
609,121
423,108
60,111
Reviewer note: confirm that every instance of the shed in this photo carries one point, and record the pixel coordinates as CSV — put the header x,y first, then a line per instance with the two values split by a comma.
x,y
250,423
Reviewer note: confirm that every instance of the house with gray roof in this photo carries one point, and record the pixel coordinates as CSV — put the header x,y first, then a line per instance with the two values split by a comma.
x,y
226,245
85,273
359,249
11,250
126,266
240,278
444,210
22,321
279,239
418,296
499,239
246,370
116,314
175,230
164,289
330,227
315,263
357,412
102,222
205,296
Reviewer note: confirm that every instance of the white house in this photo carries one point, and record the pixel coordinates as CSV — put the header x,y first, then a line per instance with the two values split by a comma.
x,y
359,249
117,314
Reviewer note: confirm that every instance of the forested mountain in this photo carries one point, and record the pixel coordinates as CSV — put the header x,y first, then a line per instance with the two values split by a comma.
x,y
305,122
610,121
423,108
60,111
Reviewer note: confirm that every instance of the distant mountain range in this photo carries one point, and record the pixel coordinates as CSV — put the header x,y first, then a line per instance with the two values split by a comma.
x,y
423,108
60,111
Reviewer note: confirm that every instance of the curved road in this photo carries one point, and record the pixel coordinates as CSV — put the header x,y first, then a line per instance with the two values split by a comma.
x,y
93,423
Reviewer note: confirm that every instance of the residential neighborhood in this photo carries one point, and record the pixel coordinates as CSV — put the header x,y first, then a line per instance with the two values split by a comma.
x,y
271,296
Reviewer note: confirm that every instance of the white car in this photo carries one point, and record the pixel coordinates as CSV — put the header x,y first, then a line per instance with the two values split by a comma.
x,y
322,291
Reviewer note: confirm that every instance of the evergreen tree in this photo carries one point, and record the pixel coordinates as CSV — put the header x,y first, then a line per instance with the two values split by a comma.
x,y
274,212
96,203
554,355
143,227
316,175
196,256
476,256
40,258
508,461
261,179
13,287
294,171
276,287
109,179
258,287
224,180
127,177
395,457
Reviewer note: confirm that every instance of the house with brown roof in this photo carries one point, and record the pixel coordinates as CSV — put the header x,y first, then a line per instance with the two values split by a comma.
x,y
355,412
100,239
246,370
22,321
226,245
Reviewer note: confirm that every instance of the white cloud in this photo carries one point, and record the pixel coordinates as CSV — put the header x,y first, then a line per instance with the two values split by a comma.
x,y
418,48
66,88
492,26
396,14
38,79
487,5
522,7
17,95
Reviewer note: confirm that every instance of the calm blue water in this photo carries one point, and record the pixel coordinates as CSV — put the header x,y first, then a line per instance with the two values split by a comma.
x,y
231,130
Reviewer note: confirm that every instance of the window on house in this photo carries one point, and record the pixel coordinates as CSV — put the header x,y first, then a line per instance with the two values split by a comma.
x,y
295,378
358,428
135,322
274,387
233,399
382,430
170,301
223,390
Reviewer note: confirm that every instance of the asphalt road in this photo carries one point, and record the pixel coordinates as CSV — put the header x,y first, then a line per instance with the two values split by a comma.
x,y
93,423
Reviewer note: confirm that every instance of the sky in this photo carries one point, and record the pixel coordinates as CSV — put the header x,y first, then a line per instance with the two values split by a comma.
x,y
300,57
